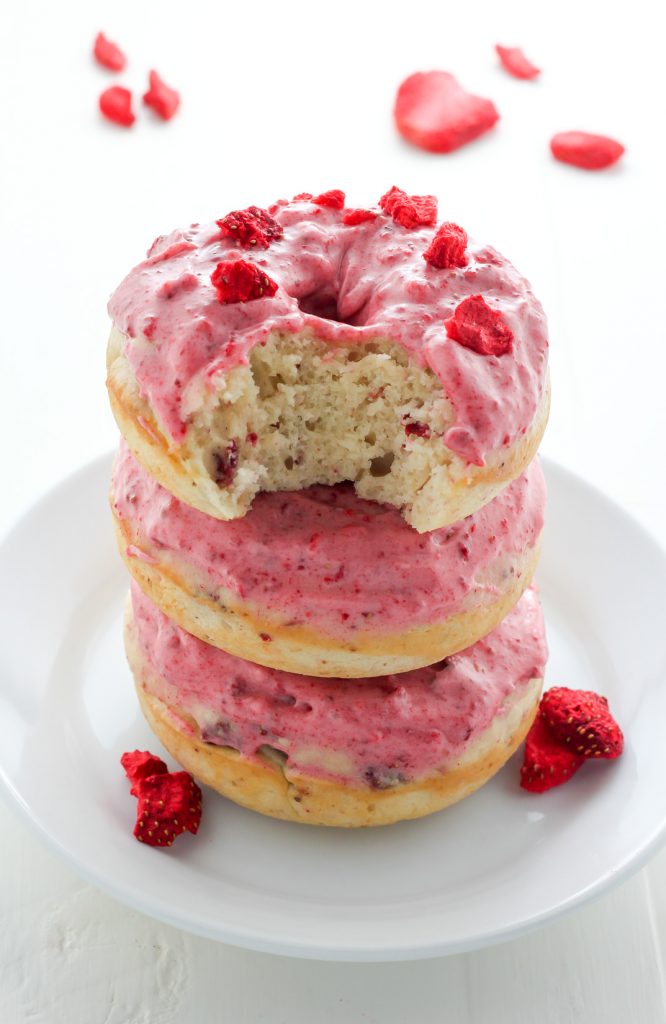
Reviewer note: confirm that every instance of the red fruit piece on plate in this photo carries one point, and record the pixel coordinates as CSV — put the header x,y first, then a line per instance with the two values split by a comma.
x,y
108,54
409,211
141,764
434,112
334,198
353,217
168,806
116,105
581,721
161,98
447,249
591,152
251,227
546,763
240,281
478,326
516,63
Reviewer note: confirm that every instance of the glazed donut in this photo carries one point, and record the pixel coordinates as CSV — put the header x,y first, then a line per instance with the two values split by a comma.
x,y
312,344
321,581
331,752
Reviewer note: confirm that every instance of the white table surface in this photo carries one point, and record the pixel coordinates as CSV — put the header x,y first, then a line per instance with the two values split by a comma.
x,y
280,98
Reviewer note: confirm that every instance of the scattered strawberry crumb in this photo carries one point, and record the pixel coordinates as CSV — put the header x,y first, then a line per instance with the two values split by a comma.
x,y
160,97
516,63
115,104
591,152
434,112
108,54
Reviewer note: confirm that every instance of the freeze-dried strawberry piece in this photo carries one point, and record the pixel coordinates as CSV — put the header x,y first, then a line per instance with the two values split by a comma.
x,y
302,197
434,112
353,217
476,325
516,63
240,281
580,720
108,54
546,762
115,104
334,198
160,97
140,764
409,211
169,805
447,249
591,152
251,227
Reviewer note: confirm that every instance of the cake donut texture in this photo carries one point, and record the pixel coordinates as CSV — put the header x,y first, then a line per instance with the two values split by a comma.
x,y
323,582
312,343
333,752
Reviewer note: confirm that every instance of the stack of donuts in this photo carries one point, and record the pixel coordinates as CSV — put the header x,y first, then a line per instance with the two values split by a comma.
x,y
328,500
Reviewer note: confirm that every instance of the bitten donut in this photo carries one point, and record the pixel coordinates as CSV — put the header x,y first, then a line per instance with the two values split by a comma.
x,y
333,752
311,343
323,582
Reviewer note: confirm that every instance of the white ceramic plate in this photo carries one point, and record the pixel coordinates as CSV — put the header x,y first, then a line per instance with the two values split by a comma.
x,y
490,868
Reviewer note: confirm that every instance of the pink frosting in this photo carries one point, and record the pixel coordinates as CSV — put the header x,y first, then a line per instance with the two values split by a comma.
x,y
390,729
370,279
329,559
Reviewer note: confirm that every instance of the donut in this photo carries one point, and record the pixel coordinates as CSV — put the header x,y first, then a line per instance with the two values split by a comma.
x,y
311,343
323,582
332,752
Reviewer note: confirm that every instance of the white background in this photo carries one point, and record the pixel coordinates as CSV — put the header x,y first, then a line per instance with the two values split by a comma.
x,y
280,98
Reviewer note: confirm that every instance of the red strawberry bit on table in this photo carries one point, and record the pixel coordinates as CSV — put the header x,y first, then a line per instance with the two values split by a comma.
x,y
140,764
516,63
580,720
168,806
409,211
108,54
434,112
581,149
334,199
240,281
477,326
161,98
448,248
115,104
546,763
353,217
251,227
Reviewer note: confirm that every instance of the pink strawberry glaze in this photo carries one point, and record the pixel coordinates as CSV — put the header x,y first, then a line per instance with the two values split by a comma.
x,y
373,731
374,281
329,559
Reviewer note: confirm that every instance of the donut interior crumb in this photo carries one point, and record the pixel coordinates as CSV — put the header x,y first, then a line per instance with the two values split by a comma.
x,y
305,412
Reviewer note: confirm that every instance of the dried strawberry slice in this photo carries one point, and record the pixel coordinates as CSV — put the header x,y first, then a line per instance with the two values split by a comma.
x,y
160,97
169,805
251,227
353,217
516,63
108,54
580,719
409,211
546,762
334,198
141,764
434,112
116,105
241,281
591,152
448,248
478,326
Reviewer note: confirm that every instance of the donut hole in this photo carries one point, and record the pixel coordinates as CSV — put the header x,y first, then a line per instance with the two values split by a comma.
x,y
324,305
